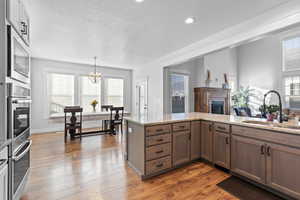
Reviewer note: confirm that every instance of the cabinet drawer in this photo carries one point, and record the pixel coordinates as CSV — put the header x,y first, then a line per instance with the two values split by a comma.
x,y
182,126
156,130
158,165
158,151
222,127
158,139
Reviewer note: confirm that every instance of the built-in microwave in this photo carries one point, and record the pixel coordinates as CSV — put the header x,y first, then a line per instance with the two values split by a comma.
x,y
18,57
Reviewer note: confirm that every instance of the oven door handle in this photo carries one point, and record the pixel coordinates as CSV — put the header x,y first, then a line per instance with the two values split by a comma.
x,y
16,158
21,101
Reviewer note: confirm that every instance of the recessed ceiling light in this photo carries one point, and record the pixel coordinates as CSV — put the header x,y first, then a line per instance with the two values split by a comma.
x,y
139,1
190,20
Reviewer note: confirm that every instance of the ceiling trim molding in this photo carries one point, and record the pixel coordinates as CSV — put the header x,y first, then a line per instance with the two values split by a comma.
x,y
280,17
125,68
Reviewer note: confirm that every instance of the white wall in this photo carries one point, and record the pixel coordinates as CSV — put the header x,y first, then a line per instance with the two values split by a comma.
x,y
260,68
39,69
219,63
260,63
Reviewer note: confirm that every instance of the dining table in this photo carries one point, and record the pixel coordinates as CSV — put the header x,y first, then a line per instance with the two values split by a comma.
x,y
91,116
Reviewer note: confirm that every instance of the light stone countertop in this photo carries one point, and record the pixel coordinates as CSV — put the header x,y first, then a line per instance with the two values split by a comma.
x,y
227,119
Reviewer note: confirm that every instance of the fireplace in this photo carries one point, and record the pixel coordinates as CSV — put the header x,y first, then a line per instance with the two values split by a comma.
x,y
217,107
212,100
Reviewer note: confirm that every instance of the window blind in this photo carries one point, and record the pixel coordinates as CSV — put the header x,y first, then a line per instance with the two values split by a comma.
x,y
291,54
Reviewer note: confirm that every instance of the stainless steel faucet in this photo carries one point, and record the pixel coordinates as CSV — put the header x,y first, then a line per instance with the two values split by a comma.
x,y
280,104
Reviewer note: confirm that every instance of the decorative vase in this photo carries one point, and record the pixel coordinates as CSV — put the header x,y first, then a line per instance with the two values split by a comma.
x,y
94,108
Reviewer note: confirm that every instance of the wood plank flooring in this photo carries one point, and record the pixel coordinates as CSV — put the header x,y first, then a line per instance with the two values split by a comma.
x,y
94,169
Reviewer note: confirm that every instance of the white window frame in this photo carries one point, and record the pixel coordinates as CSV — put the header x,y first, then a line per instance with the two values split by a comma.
x,y
49,87
104,92
187,91
77,88
287,73
283,38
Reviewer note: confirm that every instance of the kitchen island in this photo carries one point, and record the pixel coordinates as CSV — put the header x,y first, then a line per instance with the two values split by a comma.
x,y
267,154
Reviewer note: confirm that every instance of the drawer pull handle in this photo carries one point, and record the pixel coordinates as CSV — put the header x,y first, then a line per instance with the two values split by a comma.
x,y
160,140
227,140
159,130
221,128
160,165
159,152
269,151
262,150
181,126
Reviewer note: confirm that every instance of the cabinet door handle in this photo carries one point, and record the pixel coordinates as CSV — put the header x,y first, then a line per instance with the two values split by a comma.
x,y
159,130
182,127
227,140
269,151
160,165
160,140
210,127
161,151
262,150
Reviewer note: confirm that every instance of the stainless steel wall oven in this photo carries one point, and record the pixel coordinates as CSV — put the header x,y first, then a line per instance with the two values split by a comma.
x,y
19,104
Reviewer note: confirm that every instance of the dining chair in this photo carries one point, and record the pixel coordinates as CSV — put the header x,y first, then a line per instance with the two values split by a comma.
x,y
72,123
105,122
116,119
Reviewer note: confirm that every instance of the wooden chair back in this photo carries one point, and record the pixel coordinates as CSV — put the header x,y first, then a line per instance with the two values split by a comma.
x,y
106,107
73,123
116,114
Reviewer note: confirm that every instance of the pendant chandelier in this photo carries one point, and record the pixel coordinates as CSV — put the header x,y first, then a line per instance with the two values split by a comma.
x,y
95,76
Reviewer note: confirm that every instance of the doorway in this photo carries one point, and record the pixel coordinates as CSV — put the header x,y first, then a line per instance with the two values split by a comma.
x,y
142,97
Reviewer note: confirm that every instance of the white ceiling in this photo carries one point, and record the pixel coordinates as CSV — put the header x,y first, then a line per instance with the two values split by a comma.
x,y
123,33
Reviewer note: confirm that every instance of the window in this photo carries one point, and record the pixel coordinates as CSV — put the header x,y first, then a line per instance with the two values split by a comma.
x,y
292,92
114,89
291,54
61,92
71,89
179,93
88,93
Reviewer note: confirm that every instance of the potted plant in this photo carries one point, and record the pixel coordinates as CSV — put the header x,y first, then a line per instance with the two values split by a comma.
x,y
241,98
271,111
94,103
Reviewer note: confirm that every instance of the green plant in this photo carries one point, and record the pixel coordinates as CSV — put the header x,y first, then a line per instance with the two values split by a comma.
x,y
269,108
241,98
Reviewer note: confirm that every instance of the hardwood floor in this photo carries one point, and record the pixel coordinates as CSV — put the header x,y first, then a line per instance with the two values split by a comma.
x,y
94,169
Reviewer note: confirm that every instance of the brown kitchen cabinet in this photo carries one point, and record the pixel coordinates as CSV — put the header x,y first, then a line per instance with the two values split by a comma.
x,y
248,158
207,140
195,140
222,149
181,147
283,164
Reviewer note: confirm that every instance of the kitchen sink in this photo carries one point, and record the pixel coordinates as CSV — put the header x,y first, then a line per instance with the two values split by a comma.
x,y
280,125
258,122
